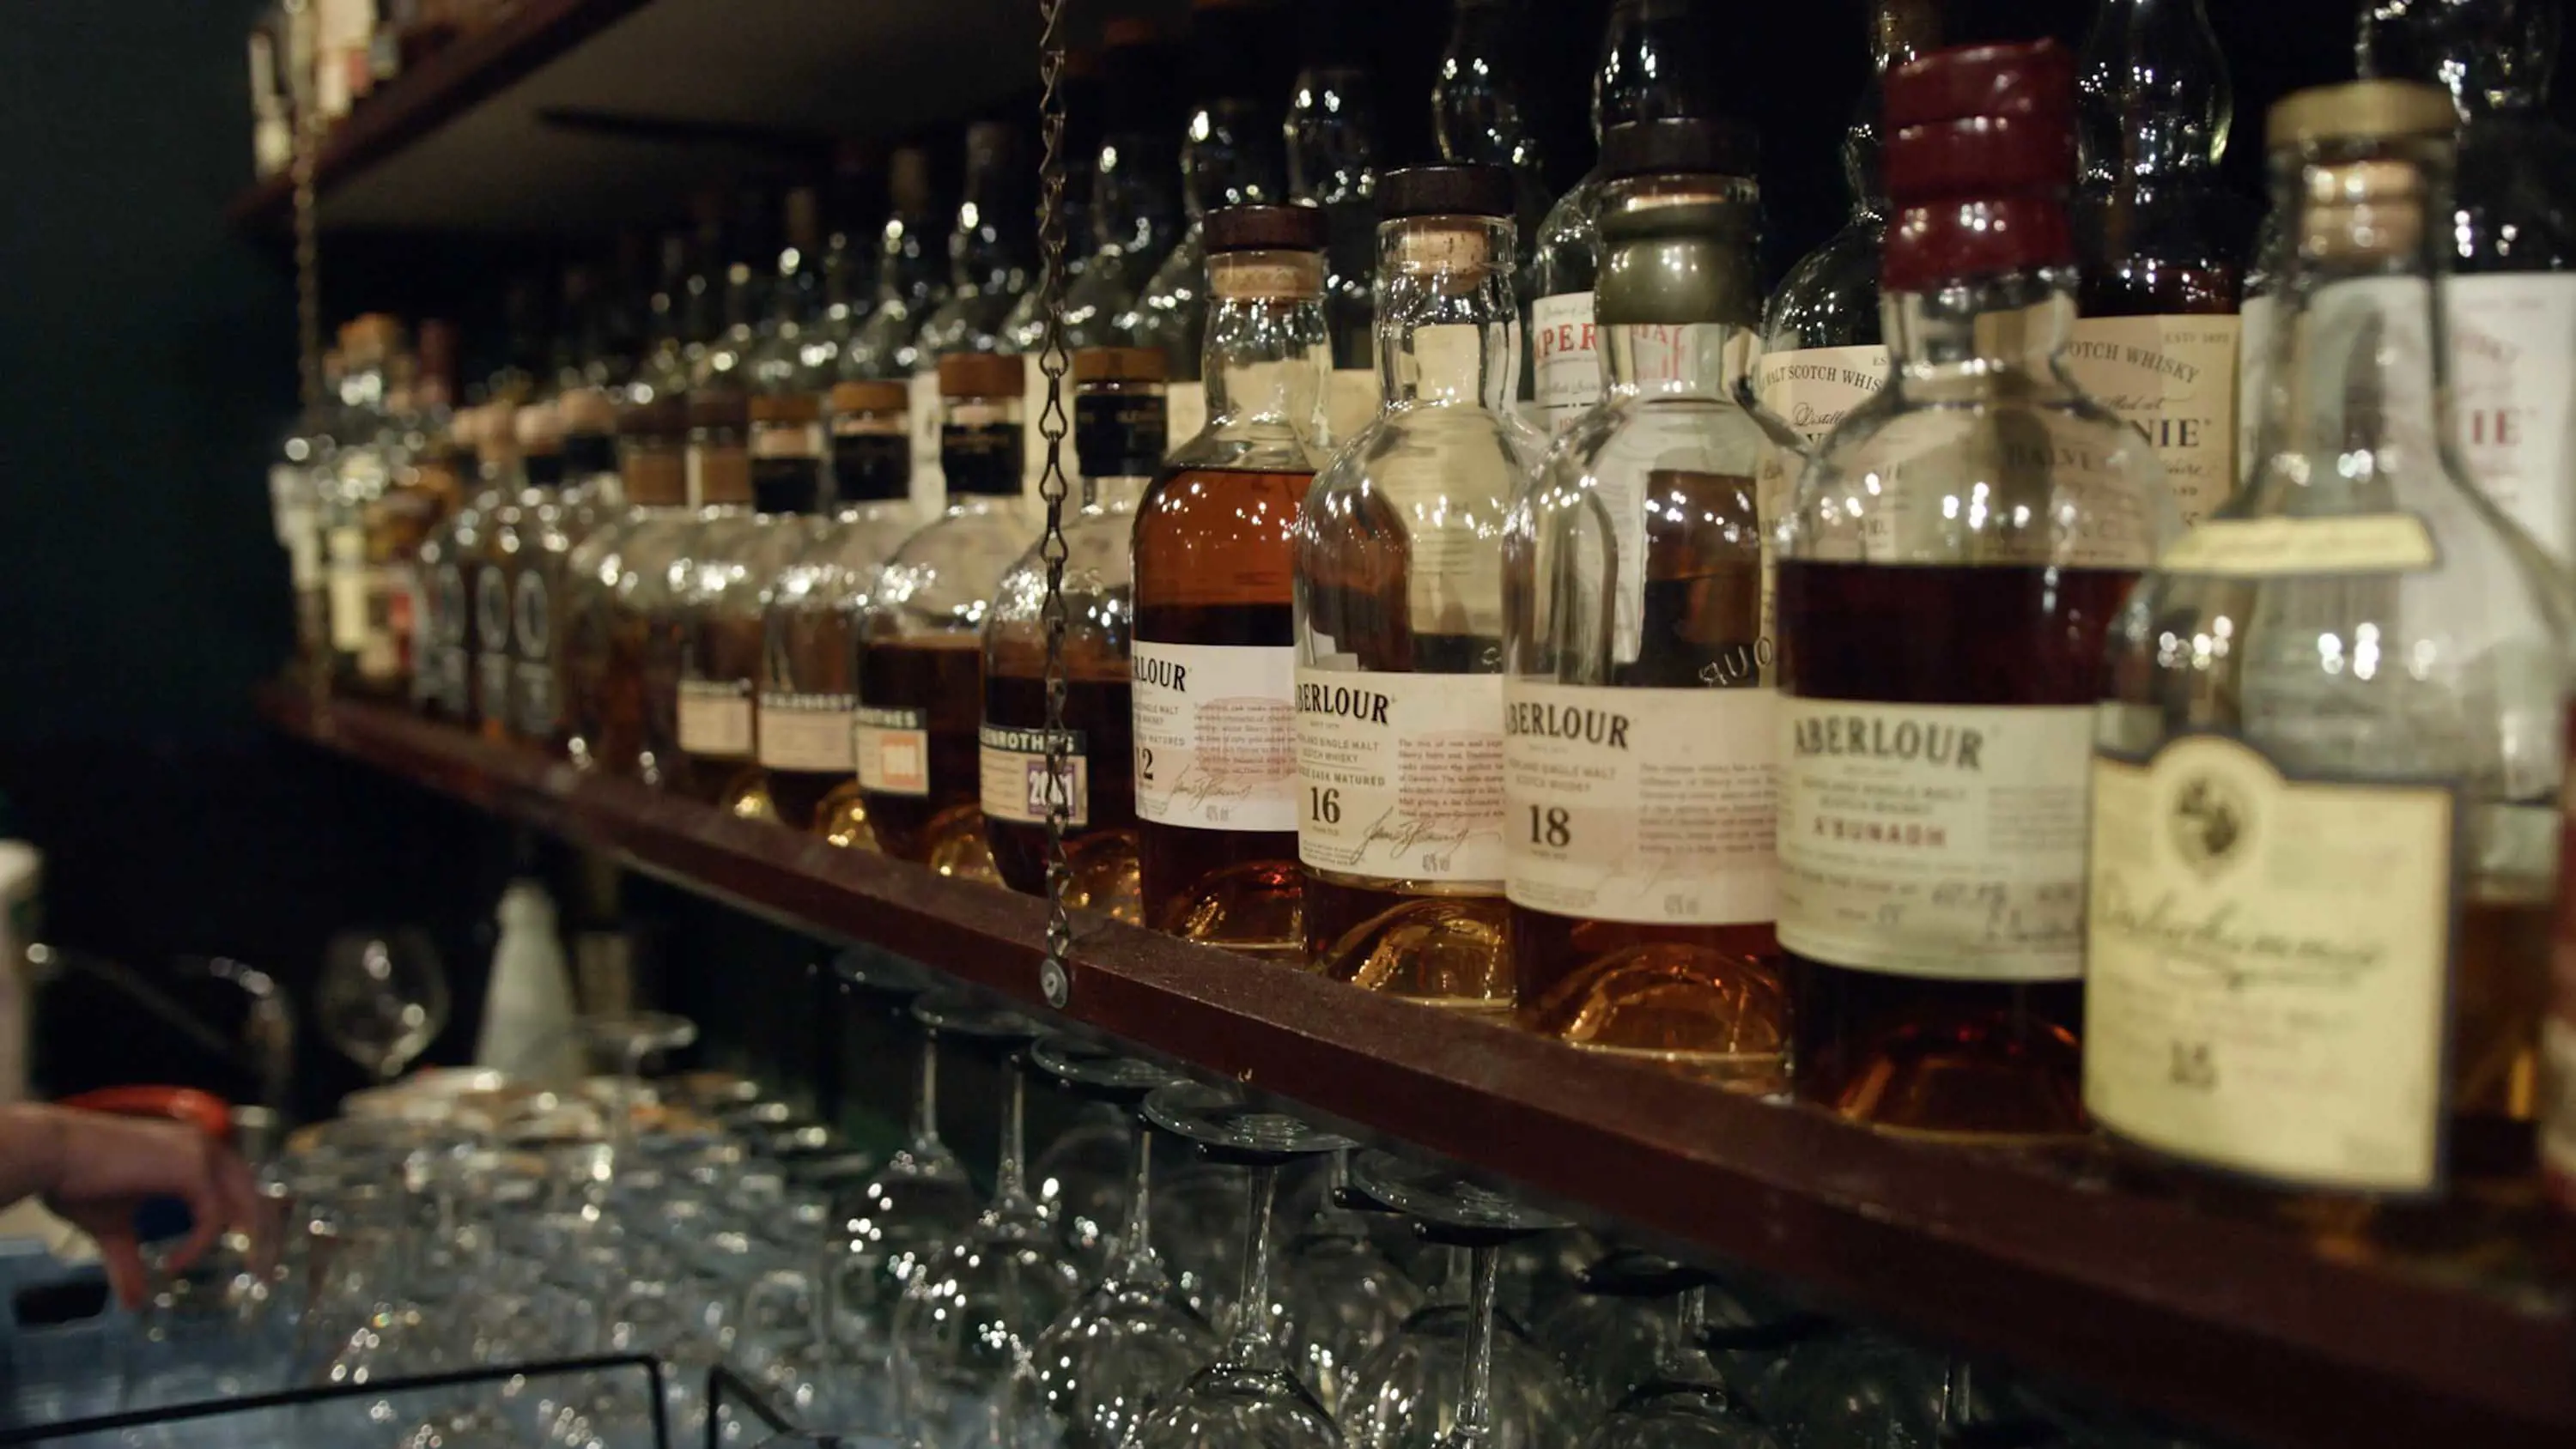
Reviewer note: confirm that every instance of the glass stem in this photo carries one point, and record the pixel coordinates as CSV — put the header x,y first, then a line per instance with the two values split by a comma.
x,y
1475,1411
925,1100
1693,1310
1252,1308
1011,1174
1135,1249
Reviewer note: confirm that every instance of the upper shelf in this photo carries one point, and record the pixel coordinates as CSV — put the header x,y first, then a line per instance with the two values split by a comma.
x,y
2223,1322
587,108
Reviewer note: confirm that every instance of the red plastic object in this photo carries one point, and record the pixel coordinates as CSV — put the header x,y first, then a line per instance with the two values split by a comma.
x,y
204,1111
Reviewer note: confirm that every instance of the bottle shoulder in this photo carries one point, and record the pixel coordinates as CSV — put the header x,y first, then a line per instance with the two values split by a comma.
x,y
1830,297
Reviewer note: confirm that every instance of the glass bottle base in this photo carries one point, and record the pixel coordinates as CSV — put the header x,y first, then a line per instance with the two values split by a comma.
x,y
1423,943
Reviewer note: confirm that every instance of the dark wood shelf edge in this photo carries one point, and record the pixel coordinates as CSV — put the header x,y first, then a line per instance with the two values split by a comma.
x,y
2218,1322
443,87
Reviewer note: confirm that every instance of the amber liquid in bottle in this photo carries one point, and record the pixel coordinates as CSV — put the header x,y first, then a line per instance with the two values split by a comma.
x,y
1964,1060
825,651
943,680
1213,567
1097,706
1598,984
603,654
728,650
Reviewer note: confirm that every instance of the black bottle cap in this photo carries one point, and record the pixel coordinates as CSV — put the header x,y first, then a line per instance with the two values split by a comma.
x,y
1689,145
1445,190
1265,229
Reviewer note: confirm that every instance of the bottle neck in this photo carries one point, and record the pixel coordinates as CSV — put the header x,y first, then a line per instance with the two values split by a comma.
x,y
2495,57
1982,332
1131,196
1220,166
2153,99
1332,151
1655,63
1679,295
1445,329
907,271
1900,31
2358,395
1476,102
1266,350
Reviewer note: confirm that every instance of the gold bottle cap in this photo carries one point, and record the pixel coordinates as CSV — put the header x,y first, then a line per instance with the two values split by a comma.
x,y
870,397
979,374
1120,364
2370,110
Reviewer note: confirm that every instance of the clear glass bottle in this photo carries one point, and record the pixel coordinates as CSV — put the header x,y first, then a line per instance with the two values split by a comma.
x,y
2161,240
1958,549
1135,214
1822,354
698,705
2325,815
512,579
1118,421
911,278
921,631
2512,292
1214,651
1332,164
1641,703
443,683
1399,549
809,666
1477,106
1658,60
796,351
990,254
588,496
487,590
371,457
616,581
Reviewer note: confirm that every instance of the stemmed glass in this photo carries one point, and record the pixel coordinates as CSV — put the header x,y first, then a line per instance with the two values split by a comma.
x,y
1682,1400
892,1222
1613,1332
971,1314
382,998
1250,1393
1133,1338
1339,1292
1458,1374
629,1039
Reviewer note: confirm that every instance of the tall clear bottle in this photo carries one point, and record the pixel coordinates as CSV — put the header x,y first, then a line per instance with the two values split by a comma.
x,y
809,665
2325,822
1332,164
1135,209
589,496
444,679
1958,549
617,581
912,282
1118,421
990,252
1822,353
1400,826
487,590
1641,699
1479,106
921,632
2161,240
1658,60
2512,292
1214,654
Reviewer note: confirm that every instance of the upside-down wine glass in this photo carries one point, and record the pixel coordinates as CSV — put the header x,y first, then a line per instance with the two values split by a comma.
x,y
1682,1401
1340,1294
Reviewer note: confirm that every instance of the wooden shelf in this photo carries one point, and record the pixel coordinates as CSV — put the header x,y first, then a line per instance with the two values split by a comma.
x,y
2221,1322
583,114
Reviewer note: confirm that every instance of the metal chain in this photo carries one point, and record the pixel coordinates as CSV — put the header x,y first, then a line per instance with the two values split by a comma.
x,y
305,93
1054,976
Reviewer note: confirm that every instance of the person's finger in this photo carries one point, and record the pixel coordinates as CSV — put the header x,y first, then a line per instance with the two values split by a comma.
x,y
124,1261
200,1187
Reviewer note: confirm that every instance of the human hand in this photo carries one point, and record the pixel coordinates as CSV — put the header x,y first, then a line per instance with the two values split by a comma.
x,y
96,1170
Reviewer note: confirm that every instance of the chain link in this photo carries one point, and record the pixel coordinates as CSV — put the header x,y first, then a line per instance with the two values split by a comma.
x,y
1055,975
304,88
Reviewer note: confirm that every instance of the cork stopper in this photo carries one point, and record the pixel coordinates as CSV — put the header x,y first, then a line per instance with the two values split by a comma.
x,y
790,408
1265,229
2370,110
661,417
871,397
1120,364
979,374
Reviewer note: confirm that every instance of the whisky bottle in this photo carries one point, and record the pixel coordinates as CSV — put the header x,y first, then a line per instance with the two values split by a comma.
x,y
539,544
2325,784
1118,422
1399,549
1135,213
809,665
698,705
1958,548
1478,109
449,557
920,634
2511,295
1822,352
496,453
1214,653
1332,164
989,252
1641,707
912,283
1657,61
2161,241
511,597
615,580
372,454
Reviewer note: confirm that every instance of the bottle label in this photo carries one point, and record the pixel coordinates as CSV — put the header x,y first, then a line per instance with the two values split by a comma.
x,y
807,733
1652,806
2268,959
1935,840
1565,361
1117,435
2254,319
715,718
2283,547
1350,403
1015,776
1813,388
346,551
929,484
532,629
1188,403
1216,735
893,749
2510,378
2173,379
1400,776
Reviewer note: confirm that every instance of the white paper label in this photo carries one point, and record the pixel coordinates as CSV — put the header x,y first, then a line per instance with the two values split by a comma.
x,y
1813,388
2267,961
807,733
929,482
1216,735
2254,318
1935,840
347,576
1186,405
2173,379
2511,339
1014,773
1566,363
715,718
893,749
1400,776
1350,401
1652,806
